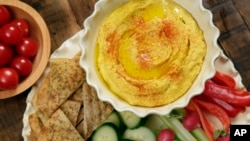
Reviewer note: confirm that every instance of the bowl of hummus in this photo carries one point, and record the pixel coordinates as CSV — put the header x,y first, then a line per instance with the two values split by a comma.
x,y
149,56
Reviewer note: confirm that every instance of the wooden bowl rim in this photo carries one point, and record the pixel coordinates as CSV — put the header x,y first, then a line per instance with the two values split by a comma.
x,y
46,48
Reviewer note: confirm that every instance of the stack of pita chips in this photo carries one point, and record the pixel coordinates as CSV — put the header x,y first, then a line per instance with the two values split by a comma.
x,y
67,108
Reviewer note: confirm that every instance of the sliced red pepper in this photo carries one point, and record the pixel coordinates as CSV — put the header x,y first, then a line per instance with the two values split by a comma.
x,y
227,94
236,91
231,110
204,121
215,110
224,79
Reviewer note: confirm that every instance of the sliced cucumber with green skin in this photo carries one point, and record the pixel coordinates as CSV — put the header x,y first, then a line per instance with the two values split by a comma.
x,y
141,133
106,132
114,118
130,119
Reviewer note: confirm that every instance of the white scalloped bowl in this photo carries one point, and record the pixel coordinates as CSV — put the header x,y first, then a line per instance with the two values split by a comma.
x,y
88,43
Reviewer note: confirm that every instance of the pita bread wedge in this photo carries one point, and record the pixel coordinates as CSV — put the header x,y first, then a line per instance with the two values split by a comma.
x,y
80,121
59,128
95,111
33,136
71,110
42,95
65,77
35,126
35,123
77,95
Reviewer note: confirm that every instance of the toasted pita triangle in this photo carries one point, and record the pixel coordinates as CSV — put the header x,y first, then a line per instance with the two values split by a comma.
x,y
35,123
71,109
59,128
95,111
77,95
65,77
41,96
80,121
35,126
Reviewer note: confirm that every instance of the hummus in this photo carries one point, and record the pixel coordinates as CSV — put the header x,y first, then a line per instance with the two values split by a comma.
x,y
149,52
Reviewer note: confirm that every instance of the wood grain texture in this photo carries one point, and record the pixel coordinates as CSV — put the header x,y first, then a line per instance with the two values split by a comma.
x,y
232,18
65,17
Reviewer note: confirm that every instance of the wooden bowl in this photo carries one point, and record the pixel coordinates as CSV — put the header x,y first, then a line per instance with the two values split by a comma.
x,y
39,32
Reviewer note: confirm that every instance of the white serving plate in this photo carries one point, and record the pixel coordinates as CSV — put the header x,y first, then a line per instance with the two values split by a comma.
x,y
71,46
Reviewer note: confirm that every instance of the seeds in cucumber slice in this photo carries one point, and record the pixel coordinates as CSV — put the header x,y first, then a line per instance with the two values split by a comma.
x,y
106,132
114,118
130,119
141,133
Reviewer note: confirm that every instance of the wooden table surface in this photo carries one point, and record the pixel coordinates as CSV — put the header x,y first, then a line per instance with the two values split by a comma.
x,y
65,17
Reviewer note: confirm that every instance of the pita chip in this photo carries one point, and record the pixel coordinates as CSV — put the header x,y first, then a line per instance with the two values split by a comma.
x,y
80,121
66,76
77,95
59,128
71,110
95,111
35,126
35,123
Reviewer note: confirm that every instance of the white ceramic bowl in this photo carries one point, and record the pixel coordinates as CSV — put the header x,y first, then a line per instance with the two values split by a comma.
x,y
88,43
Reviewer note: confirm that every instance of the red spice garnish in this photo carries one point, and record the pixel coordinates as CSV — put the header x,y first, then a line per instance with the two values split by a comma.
x,y
113,44
168,30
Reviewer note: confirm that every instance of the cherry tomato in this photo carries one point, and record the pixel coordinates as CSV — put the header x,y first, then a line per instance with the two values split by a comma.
x,y
22,65
6,54
11,34
27,47
4,15
166,135
8,78
23,25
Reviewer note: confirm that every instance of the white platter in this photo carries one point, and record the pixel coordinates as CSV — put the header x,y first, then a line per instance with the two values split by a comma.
x,y
71,46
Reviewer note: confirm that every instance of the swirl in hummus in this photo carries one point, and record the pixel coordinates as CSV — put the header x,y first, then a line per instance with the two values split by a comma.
x,y
149,52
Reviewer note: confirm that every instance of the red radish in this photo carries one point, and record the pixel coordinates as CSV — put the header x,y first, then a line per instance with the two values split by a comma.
x,y
191,121
165,135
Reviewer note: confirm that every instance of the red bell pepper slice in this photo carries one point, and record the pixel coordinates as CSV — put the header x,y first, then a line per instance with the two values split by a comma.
x,y
229,95
215,110
224,79
192,106
230,109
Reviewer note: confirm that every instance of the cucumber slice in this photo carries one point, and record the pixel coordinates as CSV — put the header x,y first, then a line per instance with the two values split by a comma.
x,y
130,119
114,118
106,132
141,133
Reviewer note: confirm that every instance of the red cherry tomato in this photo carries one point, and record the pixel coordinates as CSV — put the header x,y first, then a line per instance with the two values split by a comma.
x,y
8,78
6,54
27,47
22,65
11,34
4,15
166,135
23,25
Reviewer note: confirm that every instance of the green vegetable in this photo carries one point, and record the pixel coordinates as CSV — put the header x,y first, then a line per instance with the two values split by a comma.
x,y
174,124
199,134
106,132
